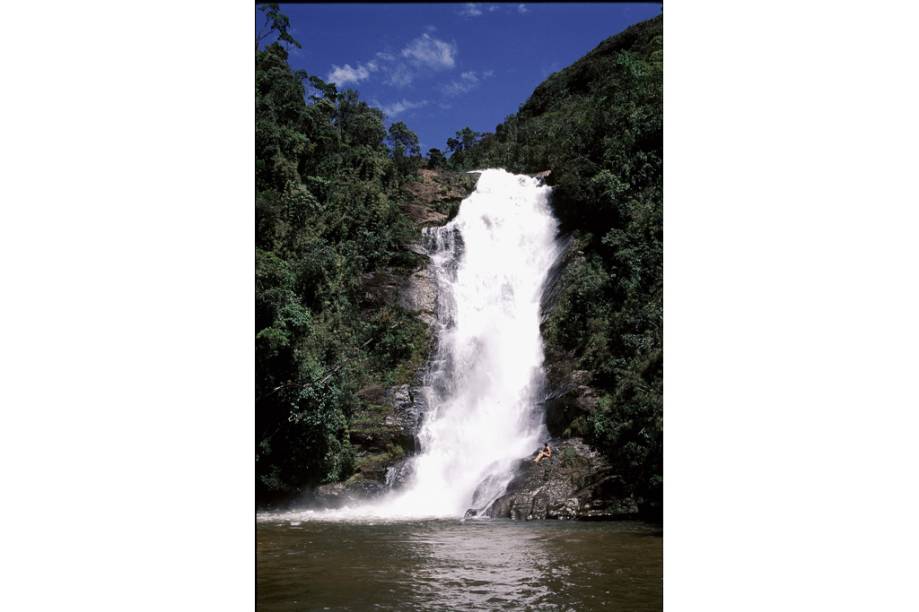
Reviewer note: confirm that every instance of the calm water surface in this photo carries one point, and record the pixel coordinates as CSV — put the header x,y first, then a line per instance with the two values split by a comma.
x,y
453,565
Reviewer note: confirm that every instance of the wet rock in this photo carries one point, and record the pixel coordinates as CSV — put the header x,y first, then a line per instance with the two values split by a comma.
x,y
485,493
554,285
415,291
405,416
384,433
571,402
570,399
399,473
577,483
390,418
435,196
417,248
419,295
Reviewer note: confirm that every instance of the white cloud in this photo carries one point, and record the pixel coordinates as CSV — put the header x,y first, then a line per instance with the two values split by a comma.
x,y
429,52
342,75
423,54
400,75
396,108
470,9
456,88
468,81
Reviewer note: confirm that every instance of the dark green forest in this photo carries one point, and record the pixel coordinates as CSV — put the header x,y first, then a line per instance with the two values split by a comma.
x,y
329,187
332,183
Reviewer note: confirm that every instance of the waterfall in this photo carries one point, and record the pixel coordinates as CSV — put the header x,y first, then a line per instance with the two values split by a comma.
x,y
485,381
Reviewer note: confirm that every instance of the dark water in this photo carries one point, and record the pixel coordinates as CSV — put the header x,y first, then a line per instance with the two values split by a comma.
x,y
453,565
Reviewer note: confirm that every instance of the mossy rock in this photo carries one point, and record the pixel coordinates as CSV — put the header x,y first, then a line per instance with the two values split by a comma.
x,y
373,466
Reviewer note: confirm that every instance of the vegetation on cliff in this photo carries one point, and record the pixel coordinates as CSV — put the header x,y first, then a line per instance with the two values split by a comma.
x,y
598,126
331,187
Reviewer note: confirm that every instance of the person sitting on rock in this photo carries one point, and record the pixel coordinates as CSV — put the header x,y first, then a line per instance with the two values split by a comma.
x,y
545,453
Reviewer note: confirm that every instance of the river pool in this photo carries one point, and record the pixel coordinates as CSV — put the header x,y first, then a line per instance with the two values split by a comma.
x,y
456,565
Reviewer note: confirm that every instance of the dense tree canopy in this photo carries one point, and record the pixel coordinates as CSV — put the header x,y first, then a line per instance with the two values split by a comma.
x,y
436,159
327,213
406,152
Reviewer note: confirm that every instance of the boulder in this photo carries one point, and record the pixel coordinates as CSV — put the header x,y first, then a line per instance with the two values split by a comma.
x,y
577,483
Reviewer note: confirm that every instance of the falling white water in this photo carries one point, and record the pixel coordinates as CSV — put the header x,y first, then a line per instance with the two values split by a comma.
x,y
491,262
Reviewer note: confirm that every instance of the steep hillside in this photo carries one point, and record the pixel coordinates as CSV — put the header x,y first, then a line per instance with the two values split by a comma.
x,y
597,126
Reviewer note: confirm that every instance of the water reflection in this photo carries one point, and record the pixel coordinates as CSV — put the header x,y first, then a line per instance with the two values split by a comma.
x,y
475,566
450,565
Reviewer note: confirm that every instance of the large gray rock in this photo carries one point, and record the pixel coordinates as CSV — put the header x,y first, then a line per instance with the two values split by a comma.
x,y
415,292
383,435
390,416
406,415
570,403
436,195
576,484
419,295
400,473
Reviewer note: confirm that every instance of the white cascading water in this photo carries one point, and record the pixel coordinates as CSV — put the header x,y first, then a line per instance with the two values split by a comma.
x,y
491,262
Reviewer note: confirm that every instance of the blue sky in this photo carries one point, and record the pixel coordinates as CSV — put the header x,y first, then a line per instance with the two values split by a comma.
x,y
440,67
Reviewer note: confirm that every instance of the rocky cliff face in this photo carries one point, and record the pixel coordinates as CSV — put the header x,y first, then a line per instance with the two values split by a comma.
x,y
383,430
578,483
570,399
